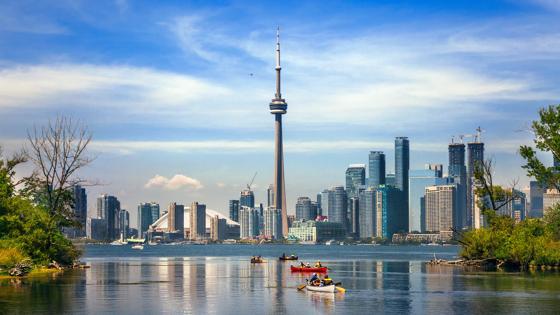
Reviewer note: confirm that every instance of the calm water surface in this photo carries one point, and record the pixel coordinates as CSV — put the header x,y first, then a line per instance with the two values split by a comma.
x,y
218,279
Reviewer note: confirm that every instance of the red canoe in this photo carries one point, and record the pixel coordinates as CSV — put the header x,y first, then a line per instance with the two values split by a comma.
x,y
305,269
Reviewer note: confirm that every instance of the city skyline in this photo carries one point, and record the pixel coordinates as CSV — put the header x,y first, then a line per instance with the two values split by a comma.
x,y
149,102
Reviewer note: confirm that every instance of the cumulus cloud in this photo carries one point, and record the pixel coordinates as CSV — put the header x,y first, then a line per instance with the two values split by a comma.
x,y
178,181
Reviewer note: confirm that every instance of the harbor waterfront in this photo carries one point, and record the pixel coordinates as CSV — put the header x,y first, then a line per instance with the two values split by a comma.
x,y
219,279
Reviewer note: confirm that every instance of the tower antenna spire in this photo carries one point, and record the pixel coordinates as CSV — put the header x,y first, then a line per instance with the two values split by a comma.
x,y
278,67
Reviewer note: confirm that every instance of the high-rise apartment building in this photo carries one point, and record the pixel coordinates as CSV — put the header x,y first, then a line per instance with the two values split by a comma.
x,y
175,217
270,196
389,213
247,198
550,198
248,222
402,166
475,158
108,208
376,169
305,209
458,172
197,229
124,217
155,211
354,215
418,181
80,210
272,223
234,210
440,207
218,228
355,177
338,205
536,193
367,214
144,218
325,202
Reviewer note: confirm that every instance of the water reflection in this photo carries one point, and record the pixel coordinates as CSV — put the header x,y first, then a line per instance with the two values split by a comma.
x,y
226,285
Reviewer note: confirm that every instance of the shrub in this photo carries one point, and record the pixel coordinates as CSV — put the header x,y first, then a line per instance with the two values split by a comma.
x,y
9,257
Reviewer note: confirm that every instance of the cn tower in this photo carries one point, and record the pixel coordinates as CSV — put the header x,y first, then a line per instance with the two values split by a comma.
x,y
278,107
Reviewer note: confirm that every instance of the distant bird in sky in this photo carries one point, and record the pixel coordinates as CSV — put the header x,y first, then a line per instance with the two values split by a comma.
x,y
251,74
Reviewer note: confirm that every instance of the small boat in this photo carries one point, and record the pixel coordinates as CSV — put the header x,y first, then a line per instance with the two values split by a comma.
x,y
291,257
327,288
138,246
256,260
308,269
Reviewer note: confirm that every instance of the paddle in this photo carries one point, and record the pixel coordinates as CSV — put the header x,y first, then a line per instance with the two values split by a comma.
x,y
341,290
301,287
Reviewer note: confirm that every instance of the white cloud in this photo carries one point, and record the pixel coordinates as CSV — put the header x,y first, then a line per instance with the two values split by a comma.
x,y
178,181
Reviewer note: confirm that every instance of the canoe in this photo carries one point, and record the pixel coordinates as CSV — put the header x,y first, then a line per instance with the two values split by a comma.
x,y
288,257
328,288
257,261
305,269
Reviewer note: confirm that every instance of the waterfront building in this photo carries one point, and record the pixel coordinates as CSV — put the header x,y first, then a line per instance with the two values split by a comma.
x,y
218,228
536,194
108,208
338,205
175,214
389,212
234,210
247,198
305,209
458,172
402,166
355,177
124,217
197,228
316,231
278,107
441,204
550,199
272,223
325,203
291,219
248,222
418,181
376,168
144,218
367,213
475,158
96,229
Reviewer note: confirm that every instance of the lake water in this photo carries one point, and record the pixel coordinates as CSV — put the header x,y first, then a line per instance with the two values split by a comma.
x,y
218,279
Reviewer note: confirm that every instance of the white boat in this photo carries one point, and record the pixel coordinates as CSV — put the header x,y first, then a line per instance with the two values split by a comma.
x,y
328,288
117,243
329,242
138,246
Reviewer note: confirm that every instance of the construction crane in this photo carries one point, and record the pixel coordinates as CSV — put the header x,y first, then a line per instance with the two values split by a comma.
x,y
477,137
252,180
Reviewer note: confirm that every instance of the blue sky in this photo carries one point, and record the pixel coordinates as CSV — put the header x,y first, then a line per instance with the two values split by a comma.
x,y
166,89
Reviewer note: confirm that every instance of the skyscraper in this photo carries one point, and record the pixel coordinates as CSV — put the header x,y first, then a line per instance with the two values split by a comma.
x,y
272,223
325,203
124,217
144,218
440,207
402,166
458,172
367,213
388,212
248,222
108,208
437,168
319,205
234,210
270,196
197,222
305,209
175,215
338,205
218,228
247,198
376,168
536,193
354,215
355,177
155,211
80,209
418,181
475,158
278,107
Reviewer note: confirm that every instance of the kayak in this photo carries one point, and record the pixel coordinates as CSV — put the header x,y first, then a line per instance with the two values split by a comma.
x,y
306,269
257,261
292,257
328,288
